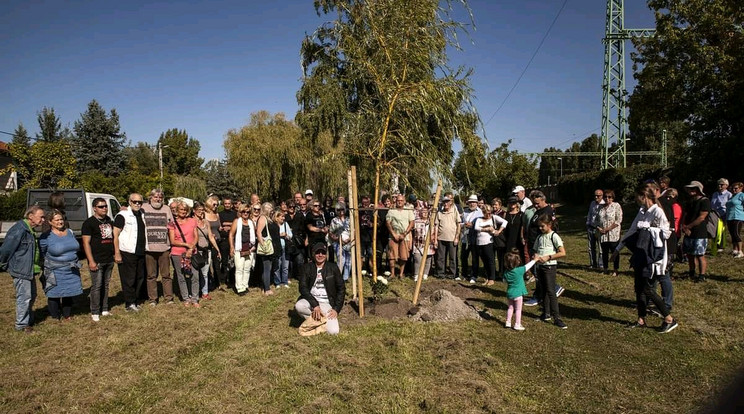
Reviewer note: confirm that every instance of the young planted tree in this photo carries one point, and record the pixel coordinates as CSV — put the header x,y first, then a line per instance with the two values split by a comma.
x,y
99,142
377,80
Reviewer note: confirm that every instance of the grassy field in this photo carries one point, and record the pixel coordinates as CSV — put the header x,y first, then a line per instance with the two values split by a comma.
x,y
242,354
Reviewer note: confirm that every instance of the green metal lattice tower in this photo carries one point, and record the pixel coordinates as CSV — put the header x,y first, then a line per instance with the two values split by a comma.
x,y
614,95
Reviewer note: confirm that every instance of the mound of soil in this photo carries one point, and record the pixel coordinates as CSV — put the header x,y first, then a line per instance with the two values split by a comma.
x,y
442,305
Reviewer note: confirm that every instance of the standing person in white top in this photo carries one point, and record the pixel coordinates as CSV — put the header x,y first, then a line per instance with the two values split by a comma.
x,y
524,201
486,228
469,214
130,245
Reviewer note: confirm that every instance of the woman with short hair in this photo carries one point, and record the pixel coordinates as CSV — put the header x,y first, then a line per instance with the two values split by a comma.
x,y
607,221
183,237
735,218
61,275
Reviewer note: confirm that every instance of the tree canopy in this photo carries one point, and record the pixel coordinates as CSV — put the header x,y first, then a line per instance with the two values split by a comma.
x,y
98,141
180,153
50,126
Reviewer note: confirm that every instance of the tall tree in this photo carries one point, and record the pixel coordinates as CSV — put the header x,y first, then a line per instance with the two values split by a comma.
x,y
219,180
691,85
50,126
20,147
269,157
52,164
377,80
142,158
99,142
180,153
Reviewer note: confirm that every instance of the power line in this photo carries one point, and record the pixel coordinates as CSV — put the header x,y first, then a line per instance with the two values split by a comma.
x,y
528,63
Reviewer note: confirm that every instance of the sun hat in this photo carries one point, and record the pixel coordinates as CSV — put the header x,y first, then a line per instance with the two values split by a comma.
x,y
697,185
473,198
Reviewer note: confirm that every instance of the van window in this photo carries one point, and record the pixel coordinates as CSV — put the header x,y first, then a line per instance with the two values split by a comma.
x,y
114,207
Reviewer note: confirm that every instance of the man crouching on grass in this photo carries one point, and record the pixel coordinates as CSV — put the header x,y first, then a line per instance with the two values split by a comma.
x,y
322,290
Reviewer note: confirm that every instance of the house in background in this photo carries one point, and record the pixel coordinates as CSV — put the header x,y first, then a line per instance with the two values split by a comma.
x,y
8,177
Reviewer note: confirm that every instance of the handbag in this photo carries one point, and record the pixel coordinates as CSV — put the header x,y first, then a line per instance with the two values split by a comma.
x,y
199,259
266,247
186,268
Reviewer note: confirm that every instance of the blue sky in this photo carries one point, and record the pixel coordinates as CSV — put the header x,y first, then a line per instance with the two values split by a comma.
x,y
206,66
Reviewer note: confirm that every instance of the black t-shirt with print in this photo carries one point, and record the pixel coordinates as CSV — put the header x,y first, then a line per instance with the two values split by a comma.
x,y
317,221
692,212
101,234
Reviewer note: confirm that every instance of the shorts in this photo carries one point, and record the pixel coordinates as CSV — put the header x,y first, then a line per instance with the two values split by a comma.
x,y
399,250
694,247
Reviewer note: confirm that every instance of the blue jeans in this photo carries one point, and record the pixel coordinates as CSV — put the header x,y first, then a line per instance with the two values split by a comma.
x,y
281,273
99,288
25,297
667,291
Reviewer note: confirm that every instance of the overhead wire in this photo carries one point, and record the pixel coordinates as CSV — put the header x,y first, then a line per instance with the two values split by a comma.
x,y
528,63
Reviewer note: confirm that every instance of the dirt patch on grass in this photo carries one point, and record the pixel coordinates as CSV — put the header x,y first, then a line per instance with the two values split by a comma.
x,y
443,306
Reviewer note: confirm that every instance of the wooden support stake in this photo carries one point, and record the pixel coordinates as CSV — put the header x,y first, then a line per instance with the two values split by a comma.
x,y
357,240
352,234
432,219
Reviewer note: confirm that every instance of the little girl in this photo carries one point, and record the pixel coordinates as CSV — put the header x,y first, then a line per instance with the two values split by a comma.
x,y
547,248
514,277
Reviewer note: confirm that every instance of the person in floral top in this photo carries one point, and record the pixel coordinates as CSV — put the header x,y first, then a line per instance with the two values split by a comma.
x,y
420,227
341,239
608,221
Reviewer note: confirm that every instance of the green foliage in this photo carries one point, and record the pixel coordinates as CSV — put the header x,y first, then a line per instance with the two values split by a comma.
x,y
190,187
691,85
379,289
20,147
50,126
493,174
377,81
142,158
52,165
13,205
122,185
219,180
180,153
99,142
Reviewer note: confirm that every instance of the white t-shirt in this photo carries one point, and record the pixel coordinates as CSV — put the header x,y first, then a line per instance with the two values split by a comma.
x,y
318,290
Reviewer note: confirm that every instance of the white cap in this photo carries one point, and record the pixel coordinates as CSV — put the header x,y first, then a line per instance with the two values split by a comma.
x,y
473,198
308,192
518,189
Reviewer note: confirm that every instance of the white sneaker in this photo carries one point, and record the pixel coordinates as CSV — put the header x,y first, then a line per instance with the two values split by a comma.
x,y
507,325
105,313
518,328
472,281
95,318
426,277
415,278
458,278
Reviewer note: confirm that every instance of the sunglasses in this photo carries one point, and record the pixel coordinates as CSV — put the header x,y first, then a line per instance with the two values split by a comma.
x,y
135,201
316,205
609,197
102,206
244,212
323,252
256,209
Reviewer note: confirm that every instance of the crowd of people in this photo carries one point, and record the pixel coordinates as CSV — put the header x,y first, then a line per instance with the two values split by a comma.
x,y
227,244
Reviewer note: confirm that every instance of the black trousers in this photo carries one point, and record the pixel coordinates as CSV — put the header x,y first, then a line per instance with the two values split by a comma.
x,y
607,249
546,289
500,253
132,275
466,250
225,274
486,254
296,261
645,291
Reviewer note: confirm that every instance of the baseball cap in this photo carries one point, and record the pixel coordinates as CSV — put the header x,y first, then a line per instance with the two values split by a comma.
x,y
518,189
318,247
308,192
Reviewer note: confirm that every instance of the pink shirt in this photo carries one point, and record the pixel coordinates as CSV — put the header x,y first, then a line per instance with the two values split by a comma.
x,y
187,226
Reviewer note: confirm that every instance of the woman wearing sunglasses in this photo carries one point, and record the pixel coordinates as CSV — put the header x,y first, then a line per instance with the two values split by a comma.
x,y
242,239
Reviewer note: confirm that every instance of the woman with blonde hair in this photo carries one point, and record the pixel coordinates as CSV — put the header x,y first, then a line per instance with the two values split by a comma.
x,y
206,240
242,238
267,230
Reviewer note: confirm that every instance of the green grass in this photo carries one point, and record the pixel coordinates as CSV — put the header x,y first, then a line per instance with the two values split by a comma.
x,y
240,354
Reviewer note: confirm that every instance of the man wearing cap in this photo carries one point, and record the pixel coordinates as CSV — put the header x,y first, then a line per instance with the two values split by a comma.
x,y
695,243
309,196
469,215
718,202
524,202
591,229
448,237
322,290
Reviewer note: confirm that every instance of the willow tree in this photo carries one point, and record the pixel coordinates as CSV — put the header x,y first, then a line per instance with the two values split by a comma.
x,y
270,157
378,81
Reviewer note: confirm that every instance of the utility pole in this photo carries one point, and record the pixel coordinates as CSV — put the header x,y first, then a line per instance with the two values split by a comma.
x,y
614,95
160,162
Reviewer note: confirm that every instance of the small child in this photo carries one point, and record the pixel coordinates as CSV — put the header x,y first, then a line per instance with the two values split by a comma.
x,y
548,247
514,277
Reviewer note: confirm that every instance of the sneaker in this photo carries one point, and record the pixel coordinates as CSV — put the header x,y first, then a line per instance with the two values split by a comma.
x,y
426,277
95,317
287,285
507,325
132,308
559,291
546,318
153,304
472,281
559,323
415,278
289,282
739,255
170,302
637,325
669,327
458,278
105,313
519,328
531,302
700,279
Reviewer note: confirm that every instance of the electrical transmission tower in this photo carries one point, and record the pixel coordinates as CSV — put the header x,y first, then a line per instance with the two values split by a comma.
x,y
614,95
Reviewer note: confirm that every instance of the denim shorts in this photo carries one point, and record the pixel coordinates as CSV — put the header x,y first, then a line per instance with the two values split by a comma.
x,y
694,247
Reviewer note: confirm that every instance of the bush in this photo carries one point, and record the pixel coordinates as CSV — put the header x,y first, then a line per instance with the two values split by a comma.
x,y
577,189
13,205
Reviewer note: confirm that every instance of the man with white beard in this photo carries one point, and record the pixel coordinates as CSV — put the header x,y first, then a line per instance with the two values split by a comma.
x,y
157,255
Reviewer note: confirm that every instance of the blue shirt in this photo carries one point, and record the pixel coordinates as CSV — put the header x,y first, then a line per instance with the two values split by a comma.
x,y
735,207
718,202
